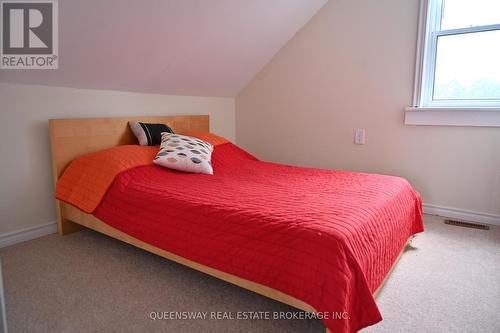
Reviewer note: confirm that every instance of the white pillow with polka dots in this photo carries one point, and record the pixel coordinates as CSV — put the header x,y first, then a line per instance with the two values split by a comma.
x,y
184,153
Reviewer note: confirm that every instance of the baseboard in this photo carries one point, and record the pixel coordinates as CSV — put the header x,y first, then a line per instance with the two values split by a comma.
x,y
26,234
461,214
23,235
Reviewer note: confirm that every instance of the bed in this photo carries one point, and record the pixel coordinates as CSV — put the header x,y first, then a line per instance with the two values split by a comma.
x,y
322,241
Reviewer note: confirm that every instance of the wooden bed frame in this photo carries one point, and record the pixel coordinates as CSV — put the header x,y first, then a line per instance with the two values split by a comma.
x,y
71,138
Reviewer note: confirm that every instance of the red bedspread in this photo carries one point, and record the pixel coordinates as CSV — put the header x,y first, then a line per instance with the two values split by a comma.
x,y
325,237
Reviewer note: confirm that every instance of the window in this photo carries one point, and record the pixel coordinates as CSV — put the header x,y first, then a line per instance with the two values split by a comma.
x,y
458,56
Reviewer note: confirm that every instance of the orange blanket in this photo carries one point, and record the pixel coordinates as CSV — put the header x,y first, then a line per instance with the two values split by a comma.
x,y
103,166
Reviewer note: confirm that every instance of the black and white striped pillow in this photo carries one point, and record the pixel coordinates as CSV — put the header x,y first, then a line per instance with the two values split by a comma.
x,y
148,134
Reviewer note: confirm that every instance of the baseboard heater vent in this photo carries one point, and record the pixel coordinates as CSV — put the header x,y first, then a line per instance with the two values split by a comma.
x,y
467,224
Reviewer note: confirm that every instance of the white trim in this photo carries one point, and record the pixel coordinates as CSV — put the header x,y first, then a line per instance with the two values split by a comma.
x,y
484,117
468,30
462,214
26,234
433,23
462,103
419,60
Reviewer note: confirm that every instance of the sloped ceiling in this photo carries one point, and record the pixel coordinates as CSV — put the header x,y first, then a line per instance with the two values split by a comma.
x,y
183,47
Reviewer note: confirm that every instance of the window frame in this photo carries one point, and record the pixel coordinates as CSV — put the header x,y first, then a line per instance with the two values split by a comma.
x,y
428,35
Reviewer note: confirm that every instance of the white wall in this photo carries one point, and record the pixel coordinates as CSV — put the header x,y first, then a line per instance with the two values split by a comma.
x,y
352,66
26,191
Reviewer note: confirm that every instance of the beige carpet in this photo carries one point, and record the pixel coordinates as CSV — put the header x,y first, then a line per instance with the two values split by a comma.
x,y
85,282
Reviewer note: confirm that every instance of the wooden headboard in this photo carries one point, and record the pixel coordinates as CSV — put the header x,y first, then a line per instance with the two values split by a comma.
x,y
71,138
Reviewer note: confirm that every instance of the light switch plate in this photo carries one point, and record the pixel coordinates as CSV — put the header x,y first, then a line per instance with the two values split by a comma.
x,y
359,136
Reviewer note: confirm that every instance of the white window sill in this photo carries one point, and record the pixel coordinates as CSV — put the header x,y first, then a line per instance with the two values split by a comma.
x,y
485,117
